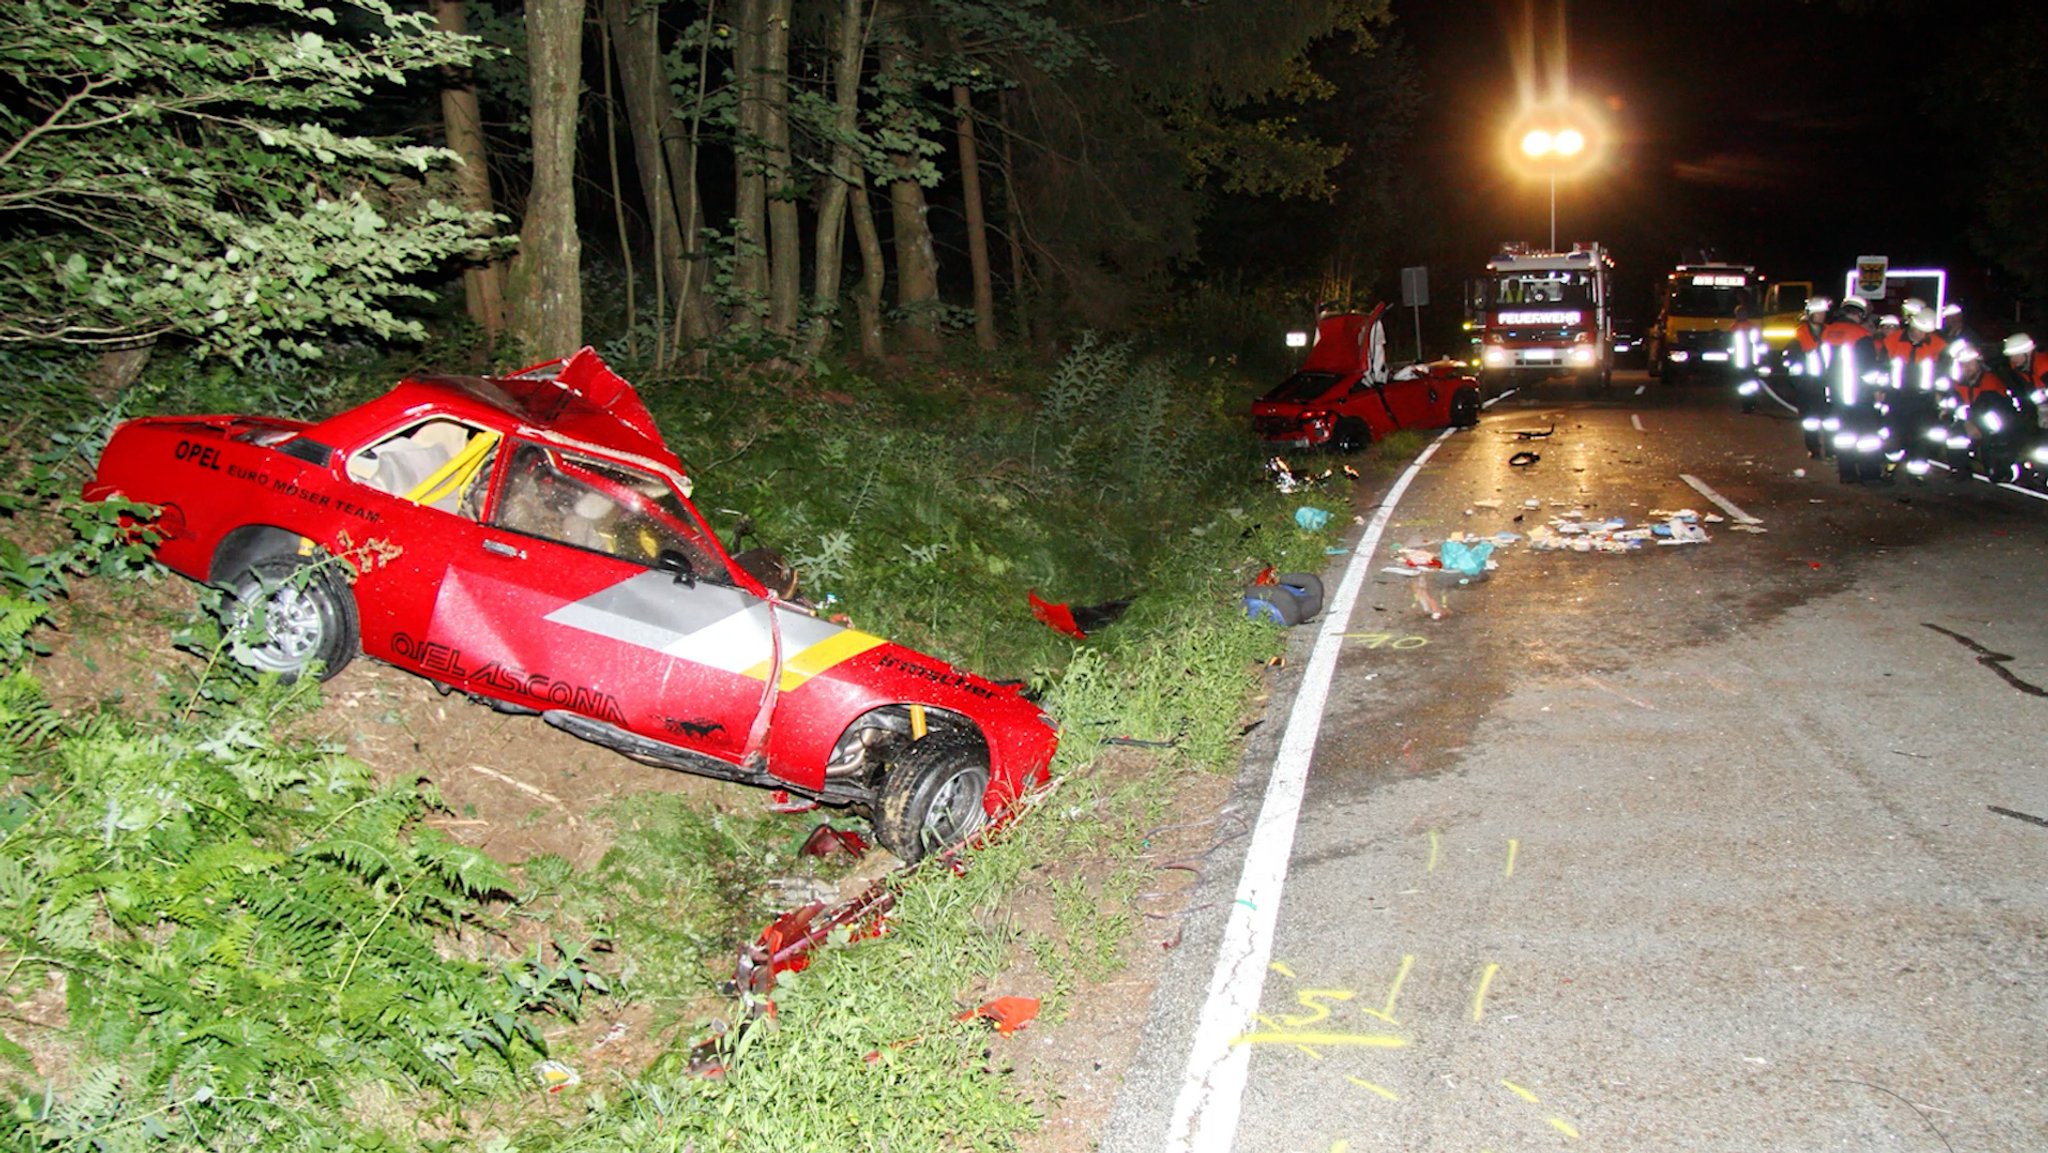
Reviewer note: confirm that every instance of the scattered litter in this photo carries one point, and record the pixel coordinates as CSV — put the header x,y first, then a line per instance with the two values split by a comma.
x,y
1401,570
825,841
1535,433
1523,459
1573,532
1465,558
779,801
1288,481
1748,528
1532,502
1008,1014
1311,518
1075,620
1800,473
555,1076
1488,505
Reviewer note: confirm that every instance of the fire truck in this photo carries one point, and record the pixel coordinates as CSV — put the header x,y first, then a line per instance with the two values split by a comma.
x,y
1543,313
1695,315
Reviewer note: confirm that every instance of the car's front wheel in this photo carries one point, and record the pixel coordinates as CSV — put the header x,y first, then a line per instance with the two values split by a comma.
x,y
291,617
932,797
1465,408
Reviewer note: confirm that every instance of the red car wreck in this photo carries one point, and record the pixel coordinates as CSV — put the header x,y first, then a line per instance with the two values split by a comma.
x,y
530,541
1343,397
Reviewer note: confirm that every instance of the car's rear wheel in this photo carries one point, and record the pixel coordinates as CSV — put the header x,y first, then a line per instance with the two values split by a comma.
x,y
1351,435
932,797
1465,408
291,617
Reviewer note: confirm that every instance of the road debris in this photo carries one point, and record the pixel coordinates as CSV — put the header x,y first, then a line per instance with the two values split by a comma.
x,y
1575,532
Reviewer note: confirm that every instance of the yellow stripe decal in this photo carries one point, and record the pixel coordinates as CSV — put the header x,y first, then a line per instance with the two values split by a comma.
x,y
819,657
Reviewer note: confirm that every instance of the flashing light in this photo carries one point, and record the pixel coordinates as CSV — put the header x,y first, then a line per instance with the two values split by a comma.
x,y
1297,339
1581,355
1716,357
1680,356
1495,356
1558,316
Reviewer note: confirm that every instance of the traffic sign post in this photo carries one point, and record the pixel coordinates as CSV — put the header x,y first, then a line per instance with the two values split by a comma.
x,y
1415,294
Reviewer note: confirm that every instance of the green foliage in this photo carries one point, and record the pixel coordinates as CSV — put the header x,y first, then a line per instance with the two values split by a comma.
x,y
200,169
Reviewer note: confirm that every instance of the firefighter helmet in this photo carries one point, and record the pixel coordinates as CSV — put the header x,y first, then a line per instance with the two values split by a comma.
x,y
1818,305
2019,344
1855,302
1923,321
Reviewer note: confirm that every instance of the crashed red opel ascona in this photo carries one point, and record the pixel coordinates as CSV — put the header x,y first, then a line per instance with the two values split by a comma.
x,y
529,540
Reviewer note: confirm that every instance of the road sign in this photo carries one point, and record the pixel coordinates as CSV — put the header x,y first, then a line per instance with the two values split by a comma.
x,y
1870,277
1415,287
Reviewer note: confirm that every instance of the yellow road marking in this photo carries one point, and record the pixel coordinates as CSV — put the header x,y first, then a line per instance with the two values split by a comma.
x,y
1386,1012
1281,968
1435,840
1514,847
1289,1037
1479,999
1362,1083
1524,1094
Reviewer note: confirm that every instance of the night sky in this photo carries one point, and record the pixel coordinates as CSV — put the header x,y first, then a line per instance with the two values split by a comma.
x,y
1774,132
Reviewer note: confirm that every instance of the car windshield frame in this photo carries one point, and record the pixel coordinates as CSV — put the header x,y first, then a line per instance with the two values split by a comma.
x,y
1305,386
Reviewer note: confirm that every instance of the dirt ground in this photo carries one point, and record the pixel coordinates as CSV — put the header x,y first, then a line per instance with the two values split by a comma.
x,y
516,787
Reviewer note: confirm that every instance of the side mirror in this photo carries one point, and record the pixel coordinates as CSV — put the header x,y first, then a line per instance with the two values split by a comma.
x,y
677,564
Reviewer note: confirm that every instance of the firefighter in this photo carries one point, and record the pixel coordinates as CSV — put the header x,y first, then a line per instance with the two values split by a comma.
x,y
2029,382
1803,365
1920,376
1855,385
1746,357
1988,433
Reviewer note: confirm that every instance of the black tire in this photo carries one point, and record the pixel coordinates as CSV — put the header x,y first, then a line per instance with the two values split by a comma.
x,y
1465,408
1307,588
932,796
1275,604
308,617
1351,435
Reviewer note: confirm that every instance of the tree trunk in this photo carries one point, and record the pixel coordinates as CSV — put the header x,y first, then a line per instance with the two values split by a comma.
x,y
1013,230
611,156
544,289
843,175
665,154
873,274
750,207
115,370
977,225
483,285
785,234
917,264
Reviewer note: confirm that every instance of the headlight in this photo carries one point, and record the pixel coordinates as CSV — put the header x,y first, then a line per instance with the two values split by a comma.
x,y
1495,356
1680,356
1580,354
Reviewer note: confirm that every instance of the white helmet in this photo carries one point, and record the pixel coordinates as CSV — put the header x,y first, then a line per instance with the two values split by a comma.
x,y
1856,302
1887,321
2019,344
1923,321
1818,304
1951,309
1913,306
1962,352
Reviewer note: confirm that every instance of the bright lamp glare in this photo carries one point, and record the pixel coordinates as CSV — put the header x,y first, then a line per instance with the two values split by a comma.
x,y
1569,142
1539,143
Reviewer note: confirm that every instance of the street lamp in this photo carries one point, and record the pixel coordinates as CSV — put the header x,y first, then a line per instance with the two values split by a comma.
x,y
1551,140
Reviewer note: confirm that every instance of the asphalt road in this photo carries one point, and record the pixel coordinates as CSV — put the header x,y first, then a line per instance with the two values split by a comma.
x,y
1737,845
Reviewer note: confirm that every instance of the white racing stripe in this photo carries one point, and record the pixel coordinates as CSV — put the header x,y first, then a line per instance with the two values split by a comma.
x,y
1205,1114
1727,505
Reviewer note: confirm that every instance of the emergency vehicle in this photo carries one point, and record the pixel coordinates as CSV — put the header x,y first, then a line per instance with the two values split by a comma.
x,y
1696,312
1542,313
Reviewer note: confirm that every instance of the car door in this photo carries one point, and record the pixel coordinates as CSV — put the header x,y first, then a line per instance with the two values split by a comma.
x,y
591,589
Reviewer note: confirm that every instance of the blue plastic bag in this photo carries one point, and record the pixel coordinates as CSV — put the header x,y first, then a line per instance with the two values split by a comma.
x,y
1311,518
1466,558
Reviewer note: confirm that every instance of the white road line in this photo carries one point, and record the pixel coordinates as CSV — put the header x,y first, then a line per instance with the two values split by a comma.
x,y
1727,505
1205,1114
1640,389
2001,484
1637,420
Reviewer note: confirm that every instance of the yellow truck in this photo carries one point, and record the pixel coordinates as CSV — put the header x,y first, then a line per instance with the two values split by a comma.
x,y
1695,313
